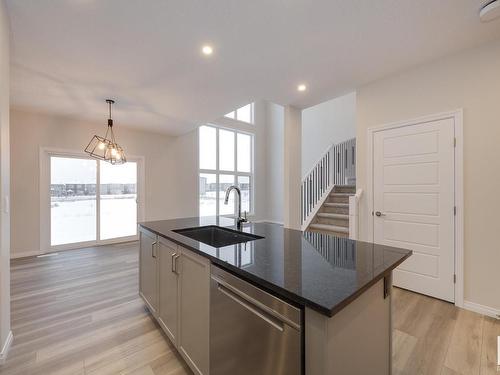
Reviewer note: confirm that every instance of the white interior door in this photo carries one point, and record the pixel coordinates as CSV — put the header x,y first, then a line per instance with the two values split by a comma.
x,y
413,190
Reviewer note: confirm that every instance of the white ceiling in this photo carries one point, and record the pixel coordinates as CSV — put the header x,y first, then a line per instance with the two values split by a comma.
x,y
69,55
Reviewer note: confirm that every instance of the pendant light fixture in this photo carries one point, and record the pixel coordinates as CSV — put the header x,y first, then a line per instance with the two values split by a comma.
x,y
106,148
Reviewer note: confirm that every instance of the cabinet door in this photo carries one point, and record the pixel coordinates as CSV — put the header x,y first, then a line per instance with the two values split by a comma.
x,y
168,304
148,270
194,295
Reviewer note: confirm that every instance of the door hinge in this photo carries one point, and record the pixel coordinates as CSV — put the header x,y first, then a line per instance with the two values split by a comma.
x,y
454,278
455,142
455,210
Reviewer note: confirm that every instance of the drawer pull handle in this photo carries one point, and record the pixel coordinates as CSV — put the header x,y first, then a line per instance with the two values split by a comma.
x,y
173,262
175,256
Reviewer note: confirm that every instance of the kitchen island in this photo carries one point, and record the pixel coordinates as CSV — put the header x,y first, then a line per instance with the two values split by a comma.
x,y
331,295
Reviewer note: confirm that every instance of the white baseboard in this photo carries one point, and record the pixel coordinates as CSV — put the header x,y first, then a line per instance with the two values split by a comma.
x,y
498,354
268,221
24,254
481,309
6,347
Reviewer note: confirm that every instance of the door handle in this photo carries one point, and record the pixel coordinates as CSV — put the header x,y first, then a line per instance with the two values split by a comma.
x,y
379,214
153,249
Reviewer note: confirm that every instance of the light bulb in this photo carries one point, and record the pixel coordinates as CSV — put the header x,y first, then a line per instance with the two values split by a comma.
x,y
207,50
302,87
101,145
118,156
113,151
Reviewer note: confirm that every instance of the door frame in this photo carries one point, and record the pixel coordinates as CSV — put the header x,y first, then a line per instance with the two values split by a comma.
x,y
457,116
45,223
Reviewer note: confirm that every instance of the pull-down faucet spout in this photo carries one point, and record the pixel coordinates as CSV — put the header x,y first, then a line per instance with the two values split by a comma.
x,y
240,219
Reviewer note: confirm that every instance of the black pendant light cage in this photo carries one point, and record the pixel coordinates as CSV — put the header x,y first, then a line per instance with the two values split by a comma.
x,y
105,148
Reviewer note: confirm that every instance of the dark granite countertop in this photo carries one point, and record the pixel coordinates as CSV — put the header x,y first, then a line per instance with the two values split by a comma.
x,y
316,270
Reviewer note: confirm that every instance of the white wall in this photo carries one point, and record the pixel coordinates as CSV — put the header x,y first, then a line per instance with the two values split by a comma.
x,y
469,80
4,177
325,124
164,197
185,155
260,160
274,162
291,166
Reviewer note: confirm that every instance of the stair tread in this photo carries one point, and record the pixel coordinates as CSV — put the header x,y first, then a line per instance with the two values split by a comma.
x,y
333,216
330,228
341,194
329,204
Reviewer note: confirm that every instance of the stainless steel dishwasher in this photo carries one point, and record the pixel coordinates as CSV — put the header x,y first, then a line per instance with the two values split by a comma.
x,y
251,331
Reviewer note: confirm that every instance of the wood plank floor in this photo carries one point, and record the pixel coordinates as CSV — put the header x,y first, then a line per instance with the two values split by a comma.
x,y
436,338
79,313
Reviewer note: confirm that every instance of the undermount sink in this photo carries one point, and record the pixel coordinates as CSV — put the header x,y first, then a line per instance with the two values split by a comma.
x,y
217,236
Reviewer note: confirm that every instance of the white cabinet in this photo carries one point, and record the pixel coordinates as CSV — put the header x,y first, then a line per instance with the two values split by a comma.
x,y
168,288
175,284
194,307
148,271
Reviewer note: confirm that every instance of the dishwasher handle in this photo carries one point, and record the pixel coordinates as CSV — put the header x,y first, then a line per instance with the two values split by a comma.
x,y
251,307
251,302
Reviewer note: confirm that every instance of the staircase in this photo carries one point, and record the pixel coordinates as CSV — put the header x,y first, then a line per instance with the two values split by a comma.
x,y
333,216
325,191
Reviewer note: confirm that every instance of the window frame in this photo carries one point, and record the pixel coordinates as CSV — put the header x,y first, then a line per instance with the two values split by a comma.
x,y
235,111
217,171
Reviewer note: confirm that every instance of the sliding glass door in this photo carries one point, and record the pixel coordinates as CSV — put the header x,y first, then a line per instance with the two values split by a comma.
x,y
118,200
91,201
73,203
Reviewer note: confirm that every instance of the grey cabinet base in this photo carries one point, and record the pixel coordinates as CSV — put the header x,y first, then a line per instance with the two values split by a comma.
x,y
357,340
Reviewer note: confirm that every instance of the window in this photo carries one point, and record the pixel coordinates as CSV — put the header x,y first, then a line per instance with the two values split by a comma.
x,y
225,159
244,114
91,200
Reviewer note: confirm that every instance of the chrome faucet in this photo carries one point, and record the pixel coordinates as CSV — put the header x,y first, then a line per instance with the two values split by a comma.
x,y
240,220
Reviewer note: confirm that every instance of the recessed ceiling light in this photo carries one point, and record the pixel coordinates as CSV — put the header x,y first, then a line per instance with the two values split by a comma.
x,y
301,87
490,11
207,50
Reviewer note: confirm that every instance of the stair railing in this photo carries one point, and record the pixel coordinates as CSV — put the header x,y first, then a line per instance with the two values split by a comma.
x,y
335,167
339,252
